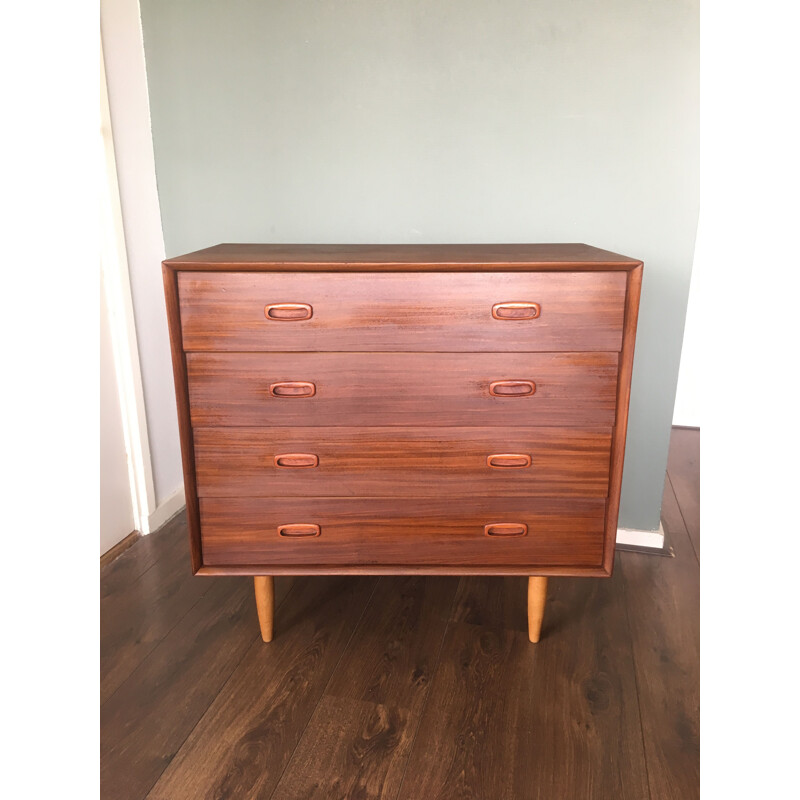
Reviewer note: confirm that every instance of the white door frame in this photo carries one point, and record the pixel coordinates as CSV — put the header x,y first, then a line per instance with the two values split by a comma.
x,y
114,264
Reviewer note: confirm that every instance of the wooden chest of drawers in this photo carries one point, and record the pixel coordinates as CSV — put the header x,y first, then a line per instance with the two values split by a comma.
x,y
443,409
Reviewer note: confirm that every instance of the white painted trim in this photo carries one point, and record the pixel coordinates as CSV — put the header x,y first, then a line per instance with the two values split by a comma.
x,y
653,539
168,509
114,264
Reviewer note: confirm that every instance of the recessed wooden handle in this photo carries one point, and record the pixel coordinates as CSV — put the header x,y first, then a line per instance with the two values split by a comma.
x,y
506,529
508,460
516,310
293,389
512,388
299,530
288,312
296,460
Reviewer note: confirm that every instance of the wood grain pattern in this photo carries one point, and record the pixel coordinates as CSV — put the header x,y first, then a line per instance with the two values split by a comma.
x,y
401,462
136,614
184,416
437,312
508,461
506,529
491,602
537,597
145,721
119,548
516,310
402,336
402,257
403,569
663,600
293,461
398,389
278,312
512,388
572,698
264,586
267,703
292,389
583,698
360,736
509,721
448,531
683,472
480,693
622,405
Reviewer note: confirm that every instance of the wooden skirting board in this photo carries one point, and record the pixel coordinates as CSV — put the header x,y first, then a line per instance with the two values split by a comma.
x,y
119,548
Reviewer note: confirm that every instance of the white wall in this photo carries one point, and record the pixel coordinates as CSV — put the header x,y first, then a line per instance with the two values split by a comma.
x,y
133,145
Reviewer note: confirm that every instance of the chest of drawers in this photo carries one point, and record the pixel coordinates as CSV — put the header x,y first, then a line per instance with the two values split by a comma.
x,y
441,409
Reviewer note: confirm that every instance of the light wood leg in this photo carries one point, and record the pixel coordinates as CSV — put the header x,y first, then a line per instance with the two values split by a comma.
x,y
537,596
265,603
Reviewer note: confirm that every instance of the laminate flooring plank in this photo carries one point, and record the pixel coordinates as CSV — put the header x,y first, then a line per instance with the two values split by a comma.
x,y
663,599
683,469
506,719
478,720
138,558
242,745
145,722
359,737
136,615
495,602
585,699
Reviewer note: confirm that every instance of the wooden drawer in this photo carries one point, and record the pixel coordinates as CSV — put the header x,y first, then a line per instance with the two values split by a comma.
x,y
367,389
418,531
429,312
402,462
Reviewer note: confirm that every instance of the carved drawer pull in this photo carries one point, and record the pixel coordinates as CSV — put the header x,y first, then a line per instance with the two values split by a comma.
x,y
506,529
512,388
299,530
508,460
288,312
293,389
296,460
516,310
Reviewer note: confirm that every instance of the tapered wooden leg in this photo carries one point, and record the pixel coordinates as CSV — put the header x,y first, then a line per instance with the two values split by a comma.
x,y
537,596
265,603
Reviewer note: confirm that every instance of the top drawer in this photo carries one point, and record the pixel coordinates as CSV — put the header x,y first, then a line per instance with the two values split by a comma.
x,y
447,312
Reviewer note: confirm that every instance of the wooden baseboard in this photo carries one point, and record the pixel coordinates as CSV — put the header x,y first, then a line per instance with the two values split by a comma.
x,y
119,548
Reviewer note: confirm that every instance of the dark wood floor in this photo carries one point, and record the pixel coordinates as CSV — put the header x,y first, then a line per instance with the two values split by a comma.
x,y
409,688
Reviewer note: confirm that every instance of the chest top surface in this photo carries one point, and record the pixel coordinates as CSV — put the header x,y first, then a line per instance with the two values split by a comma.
x,y
402,257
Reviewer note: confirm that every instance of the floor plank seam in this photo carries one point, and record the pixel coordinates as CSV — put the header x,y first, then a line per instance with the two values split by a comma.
x,y
635,675
256,638
133,578
428,692
141,542
683,518
156,644
327,684
254,643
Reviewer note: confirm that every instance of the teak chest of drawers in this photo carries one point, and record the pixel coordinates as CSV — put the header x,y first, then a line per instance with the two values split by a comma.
x,y
440,409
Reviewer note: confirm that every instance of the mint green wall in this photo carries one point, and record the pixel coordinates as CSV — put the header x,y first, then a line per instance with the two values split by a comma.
x,y
434,121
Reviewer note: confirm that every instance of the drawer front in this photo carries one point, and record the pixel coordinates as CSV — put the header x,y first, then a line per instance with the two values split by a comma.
x,y
545,311
458,531
402,462
368,389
